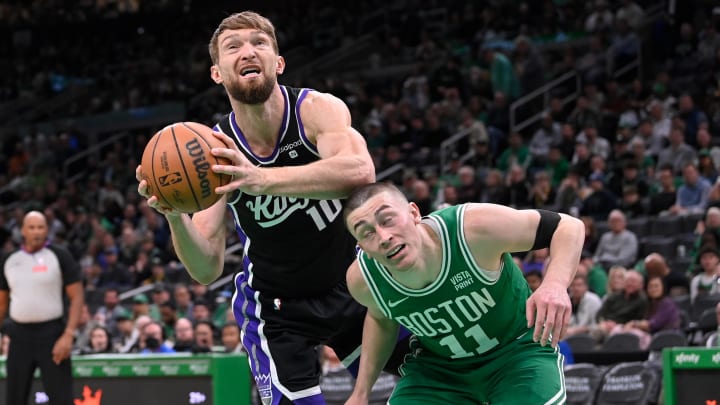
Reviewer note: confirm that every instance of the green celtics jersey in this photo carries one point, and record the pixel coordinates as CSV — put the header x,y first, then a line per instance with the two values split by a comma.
x,y
467,311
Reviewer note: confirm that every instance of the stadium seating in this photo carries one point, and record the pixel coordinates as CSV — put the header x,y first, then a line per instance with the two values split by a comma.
x,y
581,383
634,383
622,342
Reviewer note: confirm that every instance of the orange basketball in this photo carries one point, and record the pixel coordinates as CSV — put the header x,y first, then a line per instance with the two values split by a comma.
x,y
176,164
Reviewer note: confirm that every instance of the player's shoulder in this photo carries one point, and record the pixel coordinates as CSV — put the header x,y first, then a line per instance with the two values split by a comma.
x,y
317,100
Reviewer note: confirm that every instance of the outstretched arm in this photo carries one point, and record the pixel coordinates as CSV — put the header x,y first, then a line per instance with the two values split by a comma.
x,y
378,340
494,229
344,165
199,241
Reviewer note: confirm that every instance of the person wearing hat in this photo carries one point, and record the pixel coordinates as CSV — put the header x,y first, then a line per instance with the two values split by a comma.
x,y
140,305
600,201
706,283
127,335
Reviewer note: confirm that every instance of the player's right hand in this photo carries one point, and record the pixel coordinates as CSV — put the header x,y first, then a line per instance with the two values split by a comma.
x,y
152,200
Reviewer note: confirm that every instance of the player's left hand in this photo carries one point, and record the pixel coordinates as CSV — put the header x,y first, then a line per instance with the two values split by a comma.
x,y
549,309
245,176
62,348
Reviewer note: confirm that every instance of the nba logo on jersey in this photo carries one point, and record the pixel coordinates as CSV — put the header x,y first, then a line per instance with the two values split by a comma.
x,y
293,154
277,304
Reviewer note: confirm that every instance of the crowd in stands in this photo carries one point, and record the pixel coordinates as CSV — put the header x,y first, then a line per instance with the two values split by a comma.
x,y
636,157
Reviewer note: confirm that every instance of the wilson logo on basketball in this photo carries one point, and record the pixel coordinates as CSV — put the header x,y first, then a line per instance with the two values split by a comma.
x,y
202,166
170,179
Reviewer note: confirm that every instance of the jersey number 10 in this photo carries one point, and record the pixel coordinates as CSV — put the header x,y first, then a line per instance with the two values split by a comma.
x,y
329,210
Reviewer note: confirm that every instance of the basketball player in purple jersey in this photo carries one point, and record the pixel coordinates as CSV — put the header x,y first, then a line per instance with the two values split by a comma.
x,y
295,157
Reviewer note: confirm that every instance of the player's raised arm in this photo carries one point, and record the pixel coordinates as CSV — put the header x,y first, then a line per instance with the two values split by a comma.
x,y
345,161
199,241
378,340
495,229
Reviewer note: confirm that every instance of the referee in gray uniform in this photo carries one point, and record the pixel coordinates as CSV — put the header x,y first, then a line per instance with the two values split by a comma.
x,y
32,280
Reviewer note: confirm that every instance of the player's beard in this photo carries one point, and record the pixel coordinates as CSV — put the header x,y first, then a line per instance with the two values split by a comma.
x,y
255,93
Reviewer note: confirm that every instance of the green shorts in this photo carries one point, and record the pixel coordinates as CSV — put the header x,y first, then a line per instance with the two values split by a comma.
x,y
521,372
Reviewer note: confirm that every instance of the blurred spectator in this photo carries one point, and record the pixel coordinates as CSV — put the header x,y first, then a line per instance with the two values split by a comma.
x,y
693,194
204,332
706,146
168,317
535,260
494,191
591,234
541,141
183,301
693,117
677,153
529,64
518,188
665,195
140,305
516,153
498,122
422,197
502,73
114,274
127,335
622,307
706,282
534,278
557,166
201,310
706,167
583,116
616,280
597,145
597,277
469,188
630,176
585,306
625,45
230,337
100,342
542,194
153,340
601,19
110,309
184,335
592,66
600,201
631,12
618,246
662,314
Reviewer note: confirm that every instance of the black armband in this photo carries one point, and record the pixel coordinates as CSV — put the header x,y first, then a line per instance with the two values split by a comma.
x,y
546,228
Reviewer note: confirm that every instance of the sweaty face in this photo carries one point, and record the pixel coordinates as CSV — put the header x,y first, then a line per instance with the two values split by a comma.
x,y
385,228
247,65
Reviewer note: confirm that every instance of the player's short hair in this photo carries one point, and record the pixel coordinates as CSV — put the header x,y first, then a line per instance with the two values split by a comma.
x,y
237,21
360,195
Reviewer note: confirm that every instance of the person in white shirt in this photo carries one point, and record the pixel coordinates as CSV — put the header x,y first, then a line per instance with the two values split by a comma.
x,y
585,305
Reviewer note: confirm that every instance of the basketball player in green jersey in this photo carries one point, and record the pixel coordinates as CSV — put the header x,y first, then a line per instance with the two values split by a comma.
x,y
480,336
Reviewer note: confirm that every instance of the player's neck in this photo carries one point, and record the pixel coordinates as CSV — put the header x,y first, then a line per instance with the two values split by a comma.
x,y
261,122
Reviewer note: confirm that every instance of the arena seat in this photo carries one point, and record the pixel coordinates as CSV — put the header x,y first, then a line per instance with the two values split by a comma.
x,y
582,382
622,342
581,342
636,383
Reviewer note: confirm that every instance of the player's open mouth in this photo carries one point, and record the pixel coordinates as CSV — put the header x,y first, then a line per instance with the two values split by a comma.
x,y
250,71
395,251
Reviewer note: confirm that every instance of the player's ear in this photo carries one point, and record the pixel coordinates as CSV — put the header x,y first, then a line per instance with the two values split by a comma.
x,y
215,74
280,68
415,212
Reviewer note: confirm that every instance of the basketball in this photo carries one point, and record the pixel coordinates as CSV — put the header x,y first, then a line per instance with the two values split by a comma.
x,y
176,165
